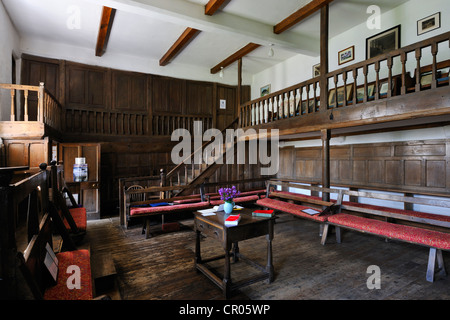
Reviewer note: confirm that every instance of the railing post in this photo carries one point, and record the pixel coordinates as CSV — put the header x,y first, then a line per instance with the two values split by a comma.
x,y
13,116
41,102
25,115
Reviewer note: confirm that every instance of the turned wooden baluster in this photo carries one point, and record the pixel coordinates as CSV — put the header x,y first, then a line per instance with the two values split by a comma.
x,y
13,116
377,80
25,95
355,77
403,61
434,51
418,56
366,94
389,65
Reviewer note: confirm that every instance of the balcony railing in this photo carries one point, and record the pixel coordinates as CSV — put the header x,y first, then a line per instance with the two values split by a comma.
x,y
417,67
49,110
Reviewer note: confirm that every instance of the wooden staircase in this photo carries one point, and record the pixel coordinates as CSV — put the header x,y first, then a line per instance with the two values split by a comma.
x,y
194,174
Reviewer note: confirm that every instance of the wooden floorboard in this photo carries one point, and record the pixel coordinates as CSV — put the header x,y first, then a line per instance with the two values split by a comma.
x,y
162,267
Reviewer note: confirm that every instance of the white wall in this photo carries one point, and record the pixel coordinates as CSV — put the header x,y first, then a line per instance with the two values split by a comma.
x,y
9,45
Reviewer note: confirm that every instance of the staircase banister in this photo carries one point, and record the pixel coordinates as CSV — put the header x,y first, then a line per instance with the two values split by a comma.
x,y
201,148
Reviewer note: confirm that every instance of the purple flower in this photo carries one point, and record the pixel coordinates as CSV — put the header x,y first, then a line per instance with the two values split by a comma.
x,y
228,194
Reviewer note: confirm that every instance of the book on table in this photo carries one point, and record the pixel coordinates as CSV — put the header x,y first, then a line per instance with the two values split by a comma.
x,y
232,220
263,213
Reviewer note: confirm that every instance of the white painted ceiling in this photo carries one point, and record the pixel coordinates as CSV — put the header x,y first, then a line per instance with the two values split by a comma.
x,y
147,28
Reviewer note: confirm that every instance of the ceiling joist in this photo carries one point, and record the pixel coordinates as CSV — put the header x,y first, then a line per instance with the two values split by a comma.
x,y
300,15
235,56
176,48
212,6
104,30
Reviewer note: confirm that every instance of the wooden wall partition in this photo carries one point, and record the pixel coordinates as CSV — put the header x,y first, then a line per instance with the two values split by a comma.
x,y
116,103
405,166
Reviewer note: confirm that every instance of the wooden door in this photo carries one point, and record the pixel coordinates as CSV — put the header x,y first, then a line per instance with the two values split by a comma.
x,y
87,191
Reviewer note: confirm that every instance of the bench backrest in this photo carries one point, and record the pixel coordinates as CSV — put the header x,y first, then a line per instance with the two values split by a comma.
x,y
433,202
438,202
33,268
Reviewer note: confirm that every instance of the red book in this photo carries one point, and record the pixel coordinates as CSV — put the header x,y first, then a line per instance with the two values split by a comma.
x,y
263,213
232,220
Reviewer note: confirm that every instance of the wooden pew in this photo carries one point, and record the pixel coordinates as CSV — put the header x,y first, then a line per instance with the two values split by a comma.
x,y
421,228
300,205
68,277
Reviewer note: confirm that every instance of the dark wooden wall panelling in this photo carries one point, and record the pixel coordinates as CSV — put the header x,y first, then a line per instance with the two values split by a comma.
x,y
406,166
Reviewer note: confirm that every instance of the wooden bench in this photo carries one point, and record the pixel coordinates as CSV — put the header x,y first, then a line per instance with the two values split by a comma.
x,y
298,204
421,228
70,265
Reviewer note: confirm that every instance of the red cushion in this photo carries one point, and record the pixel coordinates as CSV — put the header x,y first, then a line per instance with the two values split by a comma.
x,y
436,239
79,216
167,209
60,291
291,208
236,200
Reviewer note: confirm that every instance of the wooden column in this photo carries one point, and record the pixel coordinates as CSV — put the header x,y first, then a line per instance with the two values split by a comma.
x,y
324,28
326,134
239,88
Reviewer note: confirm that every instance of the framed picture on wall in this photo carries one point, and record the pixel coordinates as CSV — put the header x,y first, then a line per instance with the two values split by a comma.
x,y
429,23
383,42
316,70
265,90
346,55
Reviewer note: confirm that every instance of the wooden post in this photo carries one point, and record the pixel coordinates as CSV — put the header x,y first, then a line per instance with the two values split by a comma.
x,y
323,83
239,91
325,162
41,102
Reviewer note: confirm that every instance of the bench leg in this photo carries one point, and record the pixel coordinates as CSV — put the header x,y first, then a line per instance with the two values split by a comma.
x,y
147,228
324,228
338,234
435,254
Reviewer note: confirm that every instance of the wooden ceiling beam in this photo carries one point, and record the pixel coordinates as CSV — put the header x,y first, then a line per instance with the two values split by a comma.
x,y
235,56
212,6
300,15
176,48
104,30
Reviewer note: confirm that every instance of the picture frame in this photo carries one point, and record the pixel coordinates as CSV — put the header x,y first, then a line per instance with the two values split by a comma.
x,y
360,92
316,70
383,42
346,55
429,23
265,90
340,95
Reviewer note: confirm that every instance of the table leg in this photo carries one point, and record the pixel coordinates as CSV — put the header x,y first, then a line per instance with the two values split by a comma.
x,y
235,252
226,282
198,258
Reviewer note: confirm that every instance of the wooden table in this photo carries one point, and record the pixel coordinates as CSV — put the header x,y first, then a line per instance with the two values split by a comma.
x,y
248,227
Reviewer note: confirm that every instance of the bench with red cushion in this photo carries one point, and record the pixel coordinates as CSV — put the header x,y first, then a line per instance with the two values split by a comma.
x,y
436,240
79,217
149,211
61,291
292,208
